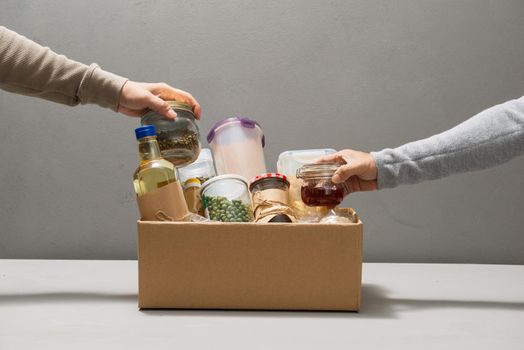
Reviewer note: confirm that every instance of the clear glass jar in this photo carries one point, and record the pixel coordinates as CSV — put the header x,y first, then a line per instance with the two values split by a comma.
x,y
288,164
202,168
317,188
178,139
226,198
269,194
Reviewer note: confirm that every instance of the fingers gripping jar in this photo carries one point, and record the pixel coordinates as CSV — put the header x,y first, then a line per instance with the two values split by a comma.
x,y
178,139
288,164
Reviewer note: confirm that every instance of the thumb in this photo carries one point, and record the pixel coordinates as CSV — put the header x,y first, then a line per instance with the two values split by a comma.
x,y
158,105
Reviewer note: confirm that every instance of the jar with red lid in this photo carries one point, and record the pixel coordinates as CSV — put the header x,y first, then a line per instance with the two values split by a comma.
x,y
269,194
317,188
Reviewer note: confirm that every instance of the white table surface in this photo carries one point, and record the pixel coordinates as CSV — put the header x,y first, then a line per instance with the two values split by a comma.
x,y
71,304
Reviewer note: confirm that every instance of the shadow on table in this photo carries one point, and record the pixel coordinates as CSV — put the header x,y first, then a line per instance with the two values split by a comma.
x,y
65,297
375,304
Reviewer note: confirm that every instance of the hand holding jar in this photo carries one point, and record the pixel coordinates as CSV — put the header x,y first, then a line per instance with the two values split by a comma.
x,y
318,189
357,170
179,138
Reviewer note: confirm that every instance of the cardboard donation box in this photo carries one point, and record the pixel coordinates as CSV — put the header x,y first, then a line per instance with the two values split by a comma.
x,y
249,266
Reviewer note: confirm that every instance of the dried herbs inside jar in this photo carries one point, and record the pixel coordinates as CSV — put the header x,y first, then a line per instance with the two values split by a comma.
x,y
179,138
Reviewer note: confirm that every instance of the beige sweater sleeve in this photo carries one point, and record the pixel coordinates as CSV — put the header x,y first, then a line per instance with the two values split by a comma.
x,y
30,69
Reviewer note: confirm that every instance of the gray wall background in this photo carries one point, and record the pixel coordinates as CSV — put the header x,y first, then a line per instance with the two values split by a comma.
x,y
344,74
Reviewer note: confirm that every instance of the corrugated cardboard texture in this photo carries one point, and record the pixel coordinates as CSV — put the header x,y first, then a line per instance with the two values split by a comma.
x,y
249,266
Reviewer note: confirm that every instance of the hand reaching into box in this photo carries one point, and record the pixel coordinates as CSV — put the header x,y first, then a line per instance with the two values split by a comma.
x,y
358,170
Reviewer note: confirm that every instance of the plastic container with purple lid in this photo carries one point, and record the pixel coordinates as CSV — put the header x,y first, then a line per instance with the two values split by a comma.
x,y
238,147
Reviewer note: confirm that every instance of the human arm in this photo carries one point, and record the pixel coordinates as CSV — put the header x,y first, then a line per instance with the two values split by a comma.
x,y
492,137
30,69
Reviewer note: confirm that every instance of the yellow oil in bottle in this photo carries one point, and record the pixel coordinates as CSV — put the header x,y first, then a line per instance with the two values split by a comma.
x,y
153,171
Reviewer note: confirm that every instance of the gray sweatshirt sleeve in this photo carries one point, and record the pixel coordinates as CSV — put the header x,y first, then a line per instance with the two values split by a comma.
x,y
492,137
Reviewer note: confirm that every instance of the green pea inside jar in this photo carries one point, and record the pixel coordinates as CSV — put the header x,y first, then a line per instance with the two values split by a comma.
x,y
222,209
226,198
178,139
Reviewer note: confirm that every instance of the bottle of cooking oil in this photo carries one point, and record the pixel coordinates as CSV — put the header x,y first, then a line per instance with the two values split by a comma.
x,y
153,171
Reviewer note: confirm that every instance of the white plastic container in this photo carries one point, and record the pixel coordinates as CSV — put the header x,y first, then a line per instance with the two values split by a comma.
x,y
288,163
202,168
238,147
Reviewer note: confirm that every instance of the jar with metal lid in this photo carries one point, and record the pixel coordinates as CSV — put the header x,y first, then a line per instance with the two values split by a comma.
x,y
269,194
226,198
178,139
317,188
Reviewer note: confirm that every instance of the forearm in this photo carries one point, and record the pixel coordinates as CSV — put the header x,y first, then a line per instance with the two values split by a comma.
x,y
491,137
30,69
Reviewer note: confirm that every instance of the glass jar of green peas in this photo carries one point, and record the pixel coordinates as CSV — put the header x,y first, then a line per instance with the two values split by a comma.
x,y
226,198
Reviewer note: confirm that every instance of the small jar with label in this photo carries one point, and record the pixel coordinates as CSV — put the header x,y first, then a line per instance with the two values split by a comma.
x,y
317,188
269,193
192,189
226,198
179,138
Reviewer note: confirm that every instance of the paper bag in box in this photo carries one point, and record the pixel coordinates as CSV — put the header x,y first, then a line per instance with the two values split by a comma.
x,y
167,203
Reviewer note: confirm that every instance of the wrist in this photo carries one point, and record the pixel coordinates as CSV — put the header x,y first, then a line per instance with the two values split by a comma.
x,y
101,87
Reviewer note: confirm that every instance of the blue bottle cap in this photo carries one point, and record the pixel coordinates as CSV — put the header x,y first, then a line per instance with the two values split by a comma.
x,y
146,130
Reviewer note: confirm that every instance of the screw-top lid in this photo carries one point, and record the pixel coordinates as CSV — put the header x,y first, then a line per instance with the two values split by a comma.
x,y
144,131
245,122
192,182
179,105
262,177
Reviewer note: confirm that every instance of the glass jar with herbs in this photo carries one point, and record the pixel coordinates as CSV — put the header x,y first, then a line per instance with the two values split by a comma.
x,y
179,138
